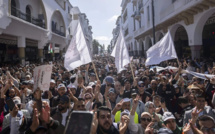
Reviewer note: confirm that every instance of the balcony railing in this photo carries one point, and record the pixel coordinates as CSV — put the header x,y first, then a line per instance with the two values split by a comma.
x,y
58,32
17,13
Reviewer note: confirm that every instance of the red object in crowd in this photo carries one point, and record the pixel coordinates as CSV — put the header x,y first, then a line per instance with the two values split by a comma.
x,y
1,120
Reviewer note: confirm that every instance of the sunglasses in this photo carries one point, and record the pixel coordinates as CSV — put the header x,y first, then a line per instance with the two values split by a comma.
x,y
141,85
146,119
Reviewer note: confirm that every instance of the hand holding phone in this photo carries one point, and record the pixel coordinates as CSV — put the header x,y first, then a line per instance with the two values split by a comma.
x,y
10,104
79,122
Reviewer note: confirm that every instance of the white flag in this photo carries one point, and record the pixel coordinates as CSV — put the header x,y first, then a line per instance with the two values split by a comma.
x,y
77,53
161,51
120,52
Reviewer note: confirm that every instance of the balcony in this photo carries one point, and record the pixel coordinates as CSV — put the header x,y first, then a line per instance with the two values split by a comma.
x,y
136,15
139,31
26,17
58,32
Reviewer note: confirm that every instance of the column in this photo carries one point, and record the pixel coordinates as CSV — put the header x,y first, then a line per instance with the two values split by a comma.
x,y
21,46
52,54
195,50
40,55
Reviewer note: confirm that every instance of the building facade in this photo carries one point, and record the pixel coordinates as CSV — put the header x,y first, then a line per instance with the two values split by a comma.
x,y
190,22
28,27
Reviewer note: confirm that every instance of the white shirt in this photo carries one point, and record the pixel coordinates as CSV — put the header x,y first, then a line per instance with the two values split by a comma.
x,y
64,117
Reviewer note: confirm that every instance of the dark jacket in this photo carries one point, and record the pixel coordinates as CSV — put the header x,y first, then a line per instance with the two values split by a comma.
x,y
112,130
56,115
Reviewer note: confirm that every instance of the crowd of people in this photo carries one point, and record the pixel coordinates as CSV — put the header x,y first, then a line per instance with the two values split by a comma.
x,y
140,100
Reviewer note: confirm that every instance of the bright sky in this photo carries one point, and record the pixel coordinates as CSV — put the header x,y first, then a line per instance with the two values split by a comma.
x,y
102,15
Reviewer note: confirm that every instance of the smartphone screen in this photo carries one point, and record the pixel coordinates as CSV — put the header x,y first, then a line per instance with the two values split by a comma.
x,y
39,105
79,123
10,104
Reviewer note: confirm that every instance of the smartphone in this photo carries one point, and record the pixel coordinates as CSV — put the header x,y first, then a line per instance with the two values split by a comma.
x,y
10,104
39,105
79,122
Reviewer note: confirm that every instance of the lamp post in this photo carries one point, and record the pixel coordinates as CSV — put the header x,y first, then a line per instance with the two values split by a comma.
x,y
153,21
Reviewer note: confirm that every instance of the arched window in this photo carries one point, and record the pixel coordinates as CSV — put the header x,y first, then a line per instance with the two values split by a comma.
x,y
28,14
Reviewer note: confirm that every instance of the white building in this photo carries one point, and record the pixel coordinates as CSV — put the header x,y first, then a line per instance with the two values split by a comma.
x,y
190,22
115,32
27,27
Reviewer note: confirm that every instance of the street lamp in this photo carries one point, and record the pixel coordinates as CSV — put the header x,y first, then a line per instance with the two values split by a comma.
x,y
153,21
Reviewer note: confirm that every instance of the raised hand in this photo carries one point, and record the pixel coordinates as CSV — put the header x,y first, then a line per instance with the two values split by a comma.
x,y
50,95
195,115
186,128
94,123
119,105
46,113
35,123
14,112
212,80
123,125
149,129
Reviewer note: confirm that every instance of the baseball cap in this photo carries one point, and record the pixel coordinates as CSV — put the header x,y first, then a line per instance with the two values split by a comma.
x,y
165,131
72,86
133,92
61,85
140,82
109,79
167,116
17,100
126,100
31,82
92,84
112,90
64,99
125,112
73,76
52,81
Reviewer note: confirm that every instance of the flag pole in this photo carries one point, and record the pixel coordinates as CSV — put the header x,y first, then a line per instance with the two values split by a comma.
x,y
95,71
132,69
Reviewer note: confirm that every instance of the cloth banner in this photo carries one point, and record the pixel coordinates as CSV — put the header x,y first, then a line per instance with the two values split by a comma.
x,y
120,52
77,53
161,51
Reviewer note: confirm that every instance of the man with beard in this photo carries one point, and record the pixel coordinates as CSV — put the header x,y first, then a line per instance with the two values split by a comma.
x,y
61,91
61,112
52,88
105,123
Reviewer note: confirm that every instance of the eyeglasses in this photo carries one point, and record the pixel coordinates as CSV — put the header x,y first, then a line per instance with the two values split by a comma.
x,y
154,84
208,129
146,119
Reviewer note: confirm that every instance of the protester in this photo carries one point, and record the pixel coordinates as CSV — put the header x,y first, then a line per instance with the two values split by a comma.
x,y
152,101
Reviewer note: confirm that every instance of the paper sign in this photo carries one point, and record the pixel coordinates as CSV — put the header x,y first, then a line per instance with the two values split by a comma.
x,y
42,77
